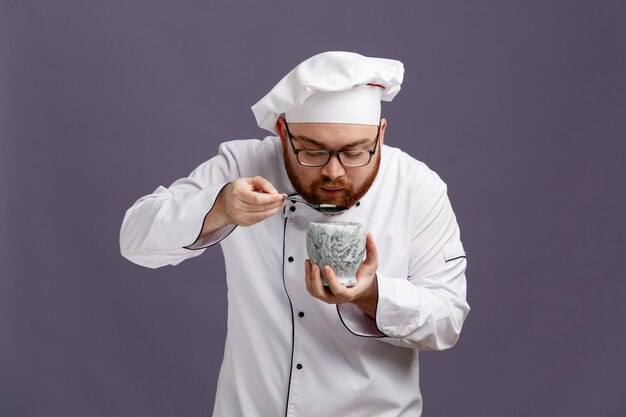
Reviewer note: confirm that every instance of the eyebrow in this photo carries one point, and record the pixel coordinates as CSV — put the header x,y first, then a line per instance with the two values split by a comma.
x,y
321,145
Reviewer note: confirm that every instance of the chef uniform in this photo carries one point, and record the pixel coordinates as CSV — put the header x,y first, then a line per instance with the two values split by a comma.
x,y
288,353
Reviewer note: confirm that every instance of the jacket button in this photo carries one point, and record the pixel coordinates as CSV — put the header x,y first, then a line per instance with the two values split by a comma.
x,y
358,203
290,259
301,314
292,208
299,366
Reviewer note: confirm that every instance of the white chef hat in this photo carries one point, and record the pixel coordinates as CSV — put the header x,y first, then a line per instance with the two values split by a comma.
x,y
332,87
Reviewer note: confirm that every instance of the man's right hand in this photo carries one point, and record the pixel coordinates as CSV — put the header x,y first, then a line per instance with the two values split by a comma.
x,y
249,200
245,201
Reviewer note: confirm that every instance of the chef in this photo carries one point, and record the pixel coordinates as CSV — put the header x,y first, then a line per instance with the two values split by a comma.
x,y
294,346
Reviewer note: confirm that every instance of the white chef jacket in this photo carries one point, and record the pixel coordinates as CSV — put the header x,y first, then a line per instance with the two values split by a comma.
x,y
288,353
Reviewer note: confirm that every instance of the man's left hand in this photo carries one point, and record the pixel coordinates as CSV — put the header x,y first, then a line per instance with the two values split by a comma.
x,y
364,294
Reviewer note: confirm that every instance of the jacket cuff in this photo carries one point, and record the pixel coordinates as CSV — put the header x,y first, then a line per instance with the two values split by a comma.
x,y
397,312
357,322
182,221
212,238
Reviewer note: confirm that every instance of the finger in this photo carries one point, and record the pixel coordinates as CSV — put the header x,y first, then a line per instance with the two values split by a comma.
x,y
318,288
327,294
371,257
258,208
335,286
246,214
275,210
263,185
255,217
258,197
307,276
367,269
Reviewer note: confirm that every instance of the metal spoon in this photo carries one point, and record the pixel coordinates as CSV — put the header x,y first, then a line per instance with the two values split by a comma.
x,y
322,208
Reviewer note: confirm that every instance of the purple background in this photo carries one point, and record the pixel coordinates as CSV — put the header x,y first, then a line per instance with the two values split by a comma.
x,y
519,106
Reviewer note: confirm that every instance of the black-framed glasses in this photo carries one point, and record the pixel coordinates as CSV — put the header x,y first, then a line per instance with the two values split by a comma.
x,y
320,157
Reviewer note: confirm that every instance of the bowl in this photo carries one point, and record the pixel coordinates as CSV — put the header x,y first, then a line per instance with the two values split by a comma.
x,y
338,244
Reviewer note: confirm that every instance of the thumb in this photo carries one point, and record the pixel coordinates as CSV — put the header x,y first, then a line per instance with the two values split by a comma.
x,y
263,185
371,256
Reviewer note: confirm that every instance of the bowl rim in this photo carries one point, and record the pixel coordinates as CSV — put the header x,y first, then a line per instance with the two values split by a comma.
x,y
336,223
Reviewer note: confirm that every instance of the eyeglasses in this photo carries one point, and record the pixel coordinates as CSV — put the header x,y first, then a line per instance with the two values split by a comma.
x,y
320,157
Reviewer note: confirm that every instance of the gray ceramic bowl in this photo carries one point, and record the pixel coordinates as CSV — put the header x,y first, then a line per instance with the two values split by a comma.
x,y
338,244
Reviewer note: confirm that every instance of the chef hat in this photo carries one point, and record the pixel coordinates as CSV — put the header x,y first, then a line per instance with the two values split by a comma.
x,y
332,87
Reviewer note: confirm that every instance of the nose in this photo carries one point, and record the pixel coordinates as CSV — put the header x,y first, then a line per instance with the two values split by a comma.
x,y
333,169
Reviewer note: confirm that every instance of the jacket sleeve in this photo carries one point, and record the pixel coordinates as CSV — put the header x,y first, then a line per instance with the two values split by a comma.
x,y
162,228
425,310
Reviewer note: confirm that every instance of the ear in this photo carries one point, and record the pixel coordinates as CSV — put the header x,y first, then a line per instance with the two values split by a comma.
x,y
383,126
282,130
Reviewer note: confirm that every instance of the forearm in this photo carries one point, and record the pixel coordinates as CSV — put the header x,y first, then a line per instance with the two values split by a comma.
x,y
403,314
157,228
422,317
215,218
160,227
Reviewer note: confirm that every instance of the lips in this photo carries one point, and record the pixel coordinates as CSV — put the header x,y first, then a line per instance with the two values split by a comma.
x,y
331,191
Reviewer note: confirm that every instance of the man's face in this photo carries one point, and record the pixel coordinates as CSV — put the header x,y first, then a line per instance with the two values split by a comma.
x,y
332,183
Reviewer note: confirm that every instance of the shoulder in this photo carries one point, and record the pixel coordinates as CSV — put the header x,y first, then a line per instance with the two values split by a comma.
x,y
410,183
409,172
253,157
243,147
242,157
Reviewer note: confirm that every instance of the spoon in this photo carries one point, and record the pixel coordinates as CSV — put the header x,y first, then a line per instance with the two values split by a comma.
x,y
322,208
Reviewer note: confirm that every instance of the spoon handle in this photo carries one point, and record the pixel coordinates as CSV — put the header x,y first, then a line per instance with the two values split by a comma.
x,y
286,197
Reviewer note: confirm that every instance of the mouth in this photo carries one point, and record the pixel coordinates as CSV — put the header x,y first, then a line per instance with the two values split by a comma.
x,y
331,191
